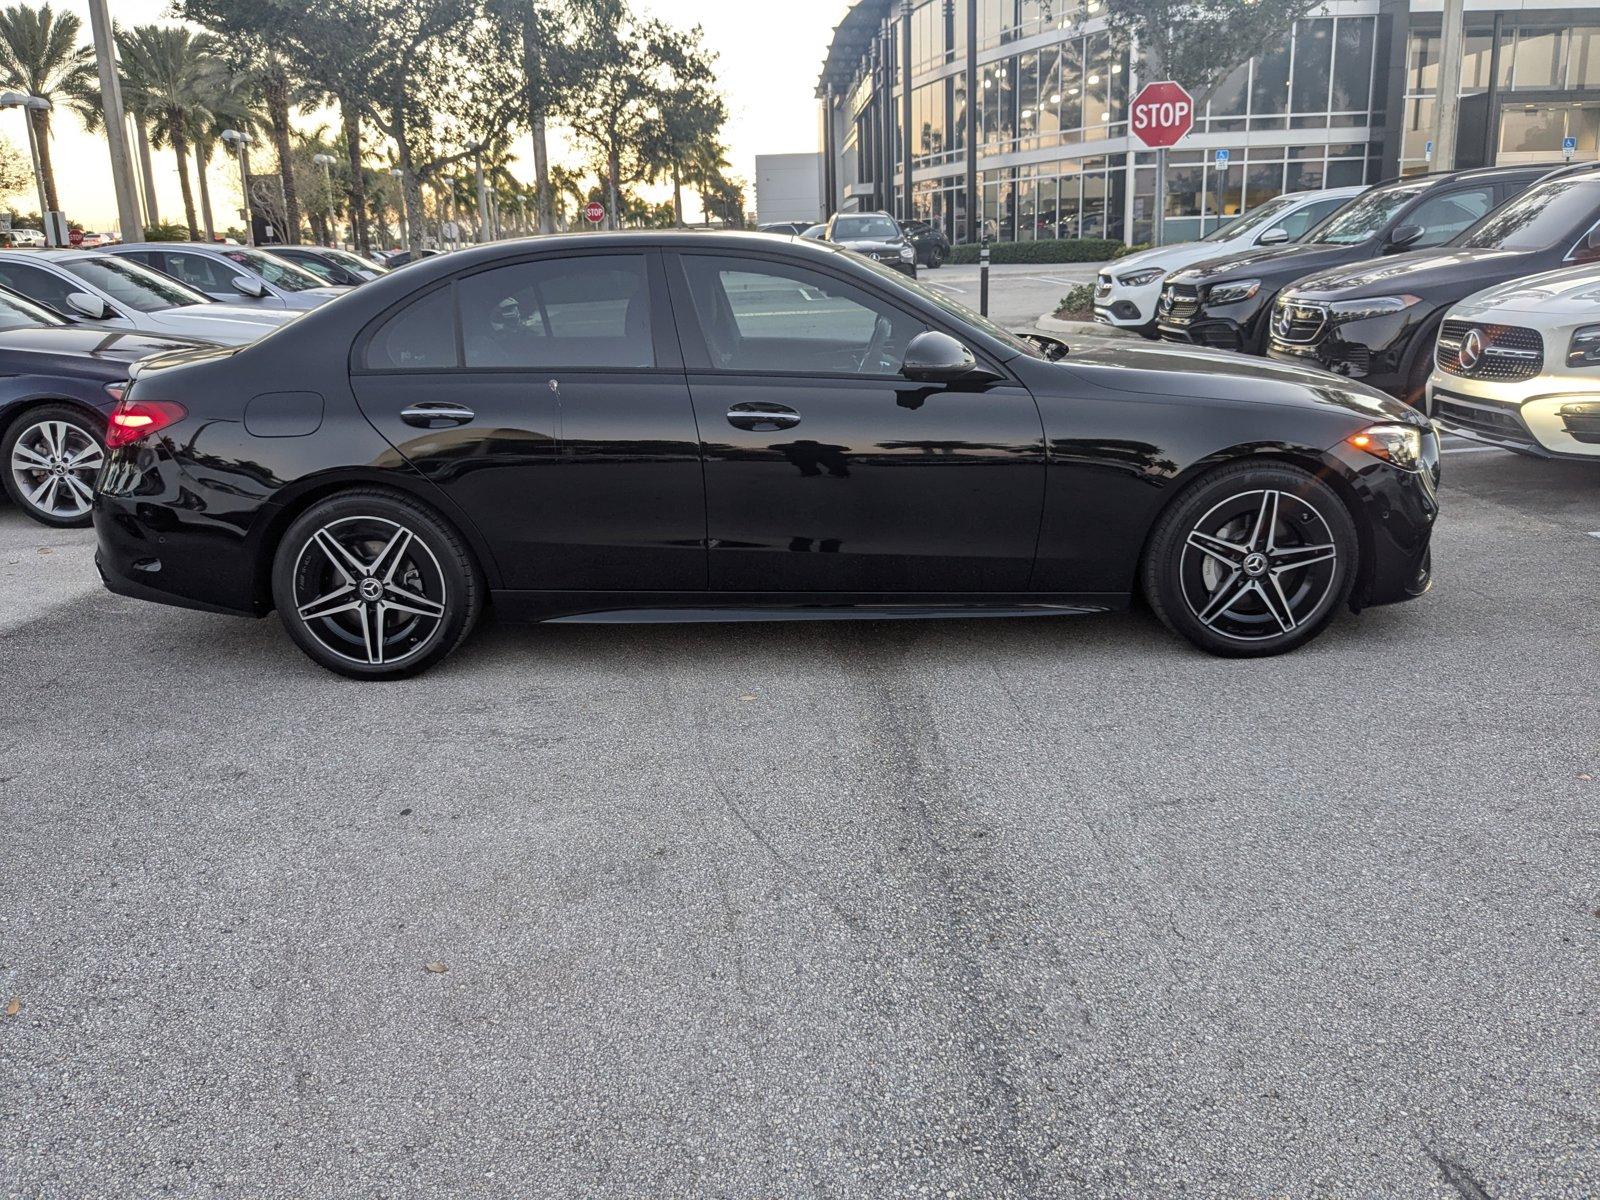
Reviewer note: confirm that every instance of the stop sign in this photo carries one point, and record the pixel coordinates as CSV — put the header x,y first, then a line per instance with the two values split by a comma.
x,y
594,211
1161,114
75,237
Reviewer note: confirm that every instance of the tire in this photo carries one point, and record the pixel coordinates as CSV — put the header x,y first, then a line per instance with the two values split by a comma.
x,y
1215,578
935,259
1416,393
373,585
51,455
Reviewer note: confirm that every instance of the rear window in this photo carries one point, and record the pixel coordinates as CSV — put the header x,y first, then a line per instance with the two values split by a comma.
x,y
855,229
420,337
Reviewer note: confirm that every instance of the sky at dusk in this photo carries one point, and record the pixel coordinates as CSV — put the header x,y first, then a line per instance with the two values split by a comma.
x,y
768,67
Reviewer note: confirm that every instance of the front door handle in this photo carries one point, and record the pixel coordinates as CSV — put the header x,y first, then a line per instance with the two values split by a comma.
x,y
762,418
436,416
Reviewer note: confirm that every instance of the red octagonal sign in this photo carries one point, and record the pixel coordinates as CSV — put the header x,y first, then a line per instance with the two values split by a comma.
x,y
1161,114
595,211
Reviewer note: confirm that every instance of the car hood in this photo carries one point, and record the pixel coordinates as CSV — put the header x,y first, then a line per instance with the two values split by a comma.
x,y
226,323
1206,376
1280,263
105,345
1171,258
868,245
1416,271
1572,293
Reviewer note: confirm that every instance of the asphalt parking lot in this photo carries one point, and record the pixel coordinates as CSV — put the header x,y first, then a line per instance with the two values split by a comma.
x,y
980,909
1018,292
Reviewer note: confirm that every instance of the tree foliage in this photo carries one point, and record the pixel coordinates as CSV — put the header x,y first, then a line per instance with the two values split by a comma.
x,y
1198,43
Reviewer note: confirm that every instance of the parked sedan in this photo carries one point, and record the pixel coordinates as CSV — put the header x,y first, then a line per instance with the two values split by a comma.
x,y
1518,366
58,383
335,267
930,243
797,433
1227,302
231,272
877,236
1378,321
786,228
1126,292
116,293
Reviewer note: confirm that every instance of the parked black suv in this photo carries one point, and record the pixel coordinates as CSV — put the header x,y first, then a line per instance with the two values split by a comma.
x,y
930,243
1377,322
876,235
1227,302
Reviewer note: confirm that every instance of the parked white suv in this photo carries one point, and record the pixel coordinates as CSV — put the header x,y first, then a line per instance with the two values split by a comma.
x,y
103,290
1518,366
1126,292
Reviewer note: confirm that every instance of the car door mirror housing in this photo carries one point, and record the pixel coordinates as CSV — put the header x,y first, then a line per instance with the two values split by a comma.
x,y
934,357
253,288
1276,236
1402,236
87,305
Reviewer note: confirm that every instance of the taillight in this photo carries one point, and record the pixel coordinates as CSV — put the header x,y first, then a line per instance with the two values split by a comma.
x,y
132,420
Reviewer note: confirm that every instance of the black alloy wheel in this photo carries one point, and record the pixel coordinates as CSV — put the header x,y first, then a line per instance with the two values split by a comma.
x,y
52,455
373,585
1251,560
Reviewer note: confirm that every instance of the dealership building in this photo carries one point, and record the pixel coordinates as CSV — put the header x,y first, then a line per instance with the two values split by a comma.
x,y
1015,112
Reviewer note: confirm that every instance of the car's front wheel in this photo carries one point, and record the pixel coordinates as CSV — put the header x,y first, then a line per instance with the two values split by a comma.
x,y
373,585
1251,560
52,454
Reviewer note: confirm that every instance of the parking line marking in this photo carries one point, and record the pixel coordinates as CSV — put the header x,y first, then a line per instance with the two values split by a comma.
x,y
948,287
1594,533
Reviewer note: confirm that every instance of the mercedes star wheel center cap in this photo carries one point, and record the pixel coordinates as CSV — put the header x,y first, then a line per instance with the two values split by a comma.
x,y
1255,565
371,589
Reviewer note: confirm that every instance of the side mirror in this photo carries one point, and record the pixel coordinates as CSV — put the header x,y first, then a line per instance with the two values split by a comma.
x,y
245,286
89,306
1276,236
934,357
1588,250
1402,236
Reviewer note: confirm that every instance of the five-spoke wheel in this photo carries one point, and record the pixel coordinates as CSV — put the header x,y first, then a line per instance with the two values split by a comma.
x,y
52,455
1251,560
374,585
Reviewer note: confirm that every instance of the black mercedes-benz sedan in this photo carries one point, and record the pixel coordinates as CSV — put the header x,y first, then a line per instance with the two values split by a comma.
x,y
877,236
1378,322
1227,302
58,383
667,426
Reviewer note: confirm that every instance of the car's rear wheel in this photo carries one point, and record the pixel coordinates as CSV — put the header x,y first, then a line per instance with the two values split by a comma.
x,y
52,454
373,585
936,258
1251,560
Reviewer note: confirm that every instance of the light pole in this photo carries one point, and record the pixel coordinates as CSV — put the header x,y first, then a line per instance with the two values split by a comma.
x,y
129,224
240,144
325,161
405,225
484,233
26,102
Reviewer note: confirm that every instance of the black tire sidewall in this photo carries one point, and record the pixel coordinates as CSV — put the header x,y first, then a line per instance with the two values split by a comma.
x,y
13,433
1160,573
464,589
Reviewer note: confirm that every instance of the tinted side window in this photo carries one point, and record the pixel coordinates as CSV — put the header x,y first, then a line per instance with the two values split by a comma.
x,y
1297,223
767,316
590,311
198,271
49,290
420,337
1446,216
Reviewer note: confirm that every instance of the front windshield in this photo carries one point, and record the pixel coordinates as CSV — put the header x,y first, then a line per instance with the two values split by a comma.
x,y
1254,219
1556,211
323,271
276,271
862,229
960,311
1365,217
17,313
354,262
132,285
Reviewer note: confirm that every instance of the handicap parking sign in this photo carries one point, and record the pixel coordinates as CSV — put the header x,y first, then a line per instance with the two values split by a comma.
x,y
1569,145
1222,160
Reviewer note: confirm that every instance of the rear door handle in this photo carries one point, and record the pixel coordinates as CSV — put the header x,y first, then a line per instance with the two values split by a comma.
x,y
762,418
436,416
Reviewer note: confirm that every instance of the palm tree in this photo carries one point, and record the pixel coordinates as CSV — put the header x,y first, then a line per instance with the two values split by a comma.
x,y
40,54
171,73
227,102
707,161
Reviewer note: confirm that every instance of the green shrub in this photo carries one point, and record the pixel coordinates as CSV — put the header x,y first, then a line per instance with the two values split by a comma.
x,y
1078,304
168,231
1060,250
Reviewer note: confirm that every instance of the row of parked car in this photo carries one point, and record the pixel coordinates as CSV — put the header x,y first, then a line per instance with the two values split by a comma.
x,y
901,245
72,322
1473,295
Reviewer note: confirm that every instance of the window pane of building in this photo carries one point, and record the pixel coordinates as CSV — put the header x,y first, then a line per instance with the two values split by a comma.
x,y
1352,65
1313,64
1538,58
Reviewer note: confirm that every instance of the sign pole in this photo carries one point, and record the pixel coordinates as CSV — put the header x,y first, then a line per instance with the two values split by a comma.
x,y
1160,116
1158,232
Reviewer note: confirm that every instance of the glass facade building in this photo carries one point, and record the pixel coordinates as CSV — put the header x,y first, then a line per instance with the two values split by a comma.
x,y
1014,112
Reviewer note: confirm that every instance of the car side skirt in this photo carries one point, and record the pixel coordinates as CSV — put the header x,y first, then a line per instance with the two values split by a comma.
x,y
720,607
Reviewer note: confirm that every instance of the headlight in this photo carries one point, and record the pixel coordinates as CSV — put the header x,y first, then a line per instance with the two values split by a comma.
x,y
1398,444
1141,278
1233,293
1585,348
907,253
1373,306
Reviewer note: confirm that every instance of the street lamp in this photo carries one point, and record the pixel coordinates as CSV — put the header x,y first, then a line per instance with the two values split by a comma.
x,y
27,101
325,161
405,225
240,144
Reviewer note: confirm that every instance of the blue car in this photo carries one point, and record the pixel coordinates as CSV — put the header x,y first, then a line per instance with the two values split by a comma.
x,y
58,384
